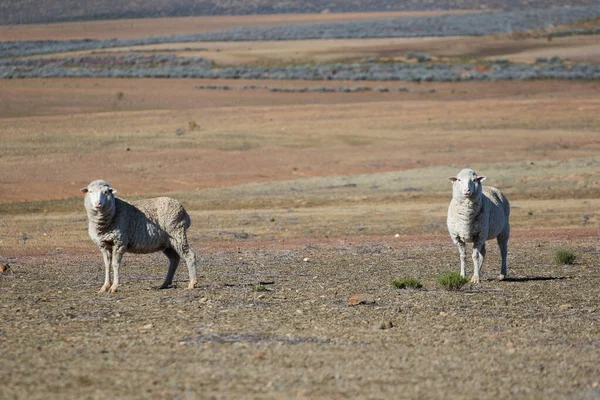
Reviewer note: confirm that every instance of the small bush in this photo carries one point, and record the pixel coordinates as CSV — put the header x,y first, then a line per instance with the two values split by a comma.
x,y
259,288
452,281
407,283
564,256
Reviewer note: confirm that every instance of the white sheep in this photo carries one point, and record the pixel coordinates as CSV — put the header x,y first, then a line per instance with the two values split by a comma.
x,y
142,227
476,214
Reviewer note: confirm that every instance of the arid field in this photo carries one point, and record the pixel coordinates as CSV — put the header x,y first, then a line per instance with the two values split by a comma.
x,y
302,202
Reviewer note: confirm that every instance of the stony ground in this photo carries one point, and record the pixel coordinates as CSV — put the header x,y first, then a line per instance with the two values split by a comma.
x,y
535,335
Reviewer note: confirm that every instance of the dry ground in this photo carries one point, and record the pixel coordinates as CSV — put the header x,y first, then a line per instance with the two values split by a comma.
x,y
272,179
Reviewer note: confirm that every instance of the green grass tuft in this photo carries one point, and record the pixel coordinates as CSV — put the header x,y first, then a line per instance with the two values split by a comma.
x,y
564,256
452,281
259,288
407,283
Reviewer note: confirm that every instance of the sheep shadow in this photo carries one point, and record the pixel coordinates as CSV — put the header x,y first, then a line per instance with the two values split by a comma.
x,y
536,278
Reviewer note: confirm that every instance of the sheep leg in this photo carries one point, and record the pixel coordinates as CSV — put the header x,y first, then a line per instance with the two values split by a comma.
x,y
182,248
481,258
173,263
477,260
462,251
116,263
503,244
107,256
191,260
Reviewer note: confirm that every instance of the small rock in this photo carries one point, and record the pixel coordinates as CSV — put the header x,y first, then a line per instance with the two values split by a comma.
x,y
357,299
443,313
397,235
203,300
564,306
595,385
387,324
147,326
306,259
259,355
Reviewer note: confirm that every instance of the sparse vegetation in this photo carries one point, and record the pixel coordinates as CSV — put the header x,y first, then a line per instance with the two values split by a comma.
x,y
452,281
471,24
171,66
564,256
259,288
407,283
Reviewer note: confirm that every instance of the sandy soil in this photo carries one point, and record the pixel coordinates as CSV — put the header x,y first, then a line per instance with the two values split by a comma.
x,y
56,134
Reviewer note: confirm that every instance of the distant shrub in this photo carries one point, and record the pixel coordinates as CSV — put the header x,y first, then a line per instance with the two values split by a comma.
x,y
452,281
420,57
404,283
564,256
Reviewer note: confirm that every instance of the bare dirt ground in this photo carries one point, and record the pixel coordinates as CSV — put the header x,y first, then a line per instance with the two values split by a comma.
x,y
302,193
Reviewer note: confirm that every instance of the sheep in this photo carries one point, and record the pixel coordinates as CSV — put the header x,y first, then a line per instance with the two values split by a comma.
x,y
142,227
476,214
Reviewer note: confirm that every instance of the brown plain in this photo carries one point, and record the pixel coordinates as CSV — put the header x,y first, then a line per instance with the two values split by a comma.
x,y
302,193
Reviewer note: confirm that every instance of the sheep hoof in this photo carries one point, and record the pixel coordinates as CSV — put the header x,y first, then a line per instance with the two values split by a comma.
x,y
502,277
167,286
104,289
475,279
113,289
192,285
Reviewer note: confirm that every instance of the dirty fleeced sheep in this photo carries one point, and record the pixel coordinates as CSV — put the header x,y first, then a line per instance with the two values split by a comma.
x,y
476,214
144,226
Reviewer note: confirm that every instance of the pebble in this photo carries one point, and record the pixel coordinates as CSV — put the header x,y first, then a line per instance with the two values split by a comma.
x,y
357,299
387,324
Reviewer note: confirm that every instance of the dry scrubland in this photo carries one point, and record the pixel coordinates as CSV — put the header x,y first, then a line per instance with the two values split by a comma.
x,y
274,179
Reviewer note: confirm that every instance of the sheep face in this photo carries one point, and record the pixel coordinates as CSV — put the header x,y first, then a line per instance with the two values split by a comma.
x,y
466,185
98,195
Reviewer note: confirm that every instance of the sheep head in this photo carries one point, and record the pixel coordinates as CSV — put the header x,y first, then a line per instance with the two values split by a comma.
x,y
466,185
99,196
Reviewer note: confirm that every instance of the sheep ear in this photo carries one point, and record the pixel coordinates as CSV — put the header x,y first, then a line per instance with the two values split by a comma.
x,y
83,190
480,178
452,178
